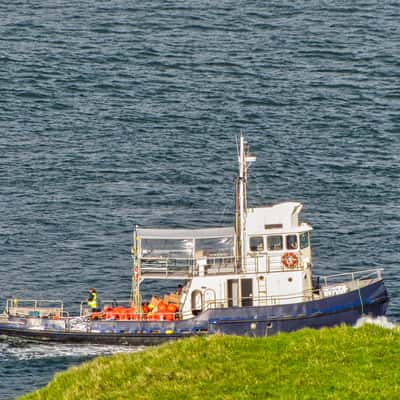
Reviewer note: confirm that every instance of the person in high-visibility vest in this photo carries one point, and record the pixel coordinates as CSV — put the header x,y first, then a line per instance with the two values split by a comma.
x,y
92,300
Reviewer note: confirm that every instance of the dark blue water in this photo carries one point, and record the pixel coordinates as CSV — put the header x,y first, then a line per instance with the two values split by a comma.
x,y
115,113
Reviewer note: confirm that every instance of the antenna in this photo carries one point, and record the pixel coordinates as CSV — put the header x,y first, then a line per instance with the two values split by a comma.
x,y
244,159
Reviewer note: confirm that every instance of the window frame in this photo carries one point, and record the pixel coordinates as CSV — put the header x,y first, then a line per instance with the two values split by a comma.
x,y
297,241
263,243
307,233
274,236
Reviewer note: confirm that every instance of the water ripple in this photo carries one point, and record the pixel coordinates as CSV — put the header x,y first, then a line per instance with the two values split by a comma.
x,y
113,114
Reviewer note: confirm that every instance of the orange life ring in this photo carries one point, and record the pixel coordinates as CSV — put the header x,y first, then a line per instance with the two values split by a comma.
x,y
289,260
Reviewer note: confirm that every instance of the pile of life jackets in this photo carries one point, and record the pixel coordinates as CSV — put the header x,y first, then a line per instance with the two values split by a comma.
x,y
148,312
162,311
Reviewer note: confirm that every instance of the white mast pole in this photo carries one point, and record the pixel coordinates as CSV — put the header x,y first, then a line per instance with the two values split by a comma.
x,y
244,160
242,203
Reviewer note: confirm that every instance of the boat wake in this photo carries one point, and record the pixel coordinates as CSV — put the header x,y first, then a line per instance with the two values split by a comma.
x,y
381,321
22,350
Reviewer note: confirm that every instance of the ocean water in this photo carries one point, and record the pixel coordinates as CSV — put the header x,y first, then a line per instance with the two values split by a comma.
x,y
116,113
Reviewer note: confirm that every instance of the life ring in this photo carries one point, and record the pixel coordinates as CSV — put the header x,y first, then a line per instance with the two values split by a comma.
x,y
289,260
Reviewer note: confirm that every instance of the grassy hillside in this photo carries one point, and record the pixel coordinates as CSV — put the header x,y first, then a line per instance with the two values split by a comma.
x,y
340,363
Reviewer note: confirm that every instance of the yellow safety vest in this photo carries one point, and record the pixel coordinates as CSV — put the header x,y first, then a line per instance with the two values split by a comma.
x,y
93,303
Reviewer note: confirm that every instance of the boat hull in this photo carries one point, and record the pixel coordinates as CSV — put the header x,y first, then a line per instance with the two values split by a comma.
x,y
371,300
259,321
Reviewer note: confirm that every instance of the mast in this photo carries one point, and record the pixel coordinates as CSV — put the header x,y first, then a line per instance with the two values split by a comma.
x,y
241,201
136,299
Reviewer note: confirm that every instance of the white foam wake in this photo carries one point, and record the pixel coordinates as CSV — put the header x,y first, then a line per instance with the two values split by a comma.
x,y
379,321
19,350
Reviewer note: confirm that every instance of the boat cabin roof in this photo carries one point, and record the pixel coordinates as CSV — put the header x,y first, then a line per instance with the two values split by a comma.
x,y
279,218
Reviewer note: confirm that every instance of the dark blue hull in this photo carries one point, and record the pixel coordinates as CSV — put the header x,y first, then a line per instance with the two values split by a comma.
x,y
244,321
347,308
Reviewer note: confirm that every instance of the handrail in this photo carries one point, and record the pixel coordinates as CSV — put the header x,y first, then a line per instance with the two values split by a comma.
x,y
355,275
270,300
187,267
17,305
366,271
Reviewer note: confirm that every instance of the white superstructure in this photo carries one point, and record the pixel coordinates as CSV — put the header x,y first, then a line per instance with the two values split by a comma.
x,y
265,260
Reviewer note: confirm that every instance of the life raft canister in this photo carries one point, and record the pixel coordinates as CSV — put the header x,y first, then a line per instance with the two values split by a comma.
x,y
289,260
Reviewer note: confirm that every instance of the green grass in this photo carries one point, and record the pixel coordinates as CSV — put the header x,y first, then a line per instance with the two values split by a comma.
x,y
340,363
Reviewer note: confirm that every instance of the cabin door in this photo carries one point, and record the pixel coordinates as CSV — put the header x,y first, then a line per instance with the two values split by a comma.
x,y
240,293
247,292
233,293
197,302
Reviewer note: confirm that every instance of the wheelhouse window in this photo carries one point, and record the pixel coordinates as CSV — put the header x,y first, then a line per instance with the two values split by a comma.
x,y
256,243
168,248
291,242
304,240
274,243
215,247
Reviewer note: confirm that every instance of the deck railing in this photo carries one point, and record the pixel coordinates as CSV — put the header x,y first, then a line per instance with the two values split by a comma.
x,y
351,276
260,301
327,286
34,308
186,268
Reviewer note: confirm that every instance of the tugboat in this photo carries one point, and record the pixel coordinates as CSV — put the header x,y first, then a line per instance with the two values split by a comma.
x,y
252,279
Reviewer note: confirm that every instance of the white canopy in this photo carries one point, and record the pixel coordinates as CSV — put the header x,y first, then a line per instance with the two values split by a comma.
x,y
186,243
185,233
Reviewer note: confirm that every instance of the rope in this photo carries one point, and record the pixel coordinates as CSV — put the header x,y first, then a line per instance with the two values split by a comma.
x,y
359,294
258,188
228,204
